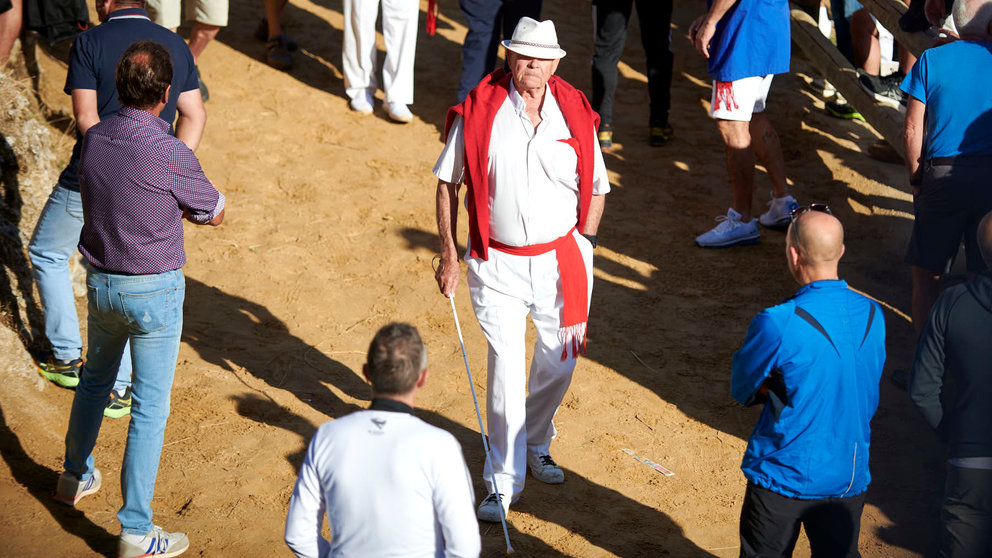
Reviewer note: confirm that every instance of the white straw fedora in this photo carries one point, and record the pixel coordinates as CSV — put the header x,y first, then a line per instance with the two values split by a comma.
x,y
535,38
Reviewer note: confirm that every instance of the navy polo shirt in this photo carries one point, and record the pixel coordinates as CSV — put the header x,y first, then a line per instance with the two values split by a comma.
x,y
93,65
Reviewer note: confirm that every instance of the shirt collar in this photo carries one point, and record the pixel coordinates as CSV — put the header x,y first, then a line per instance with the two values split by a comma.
x,y
127,13
392,405
144,117
824,284
517,101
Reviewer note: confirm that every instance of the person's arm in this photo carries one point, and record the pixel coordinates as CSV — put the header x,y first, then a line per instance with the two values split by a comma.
x,y
84,108
702,30
454,504
448,271
306,513
192,118
913,140
926,378
753,362
596,206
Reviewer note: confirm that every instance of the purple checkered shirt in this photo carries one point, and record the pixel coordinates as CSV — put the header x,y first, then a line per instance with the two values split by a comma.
x,y
136,180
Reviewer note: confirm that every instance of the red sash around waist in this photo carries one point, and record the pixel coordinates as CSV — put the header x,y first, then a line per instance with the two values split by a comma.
x,y
574,287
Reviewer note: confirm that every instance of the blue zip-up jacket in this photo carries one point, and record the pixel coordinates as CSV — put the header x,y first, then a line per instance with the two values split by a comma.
x,y
820,353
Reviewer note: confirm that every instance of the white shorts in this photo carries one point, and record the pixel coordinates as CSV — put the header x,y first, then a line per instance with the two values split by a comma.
x,y
738,100
168,14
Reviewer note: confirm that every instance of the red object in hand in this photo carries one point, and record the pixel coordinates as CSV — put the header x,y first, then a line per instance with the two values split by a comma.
x,y
432,17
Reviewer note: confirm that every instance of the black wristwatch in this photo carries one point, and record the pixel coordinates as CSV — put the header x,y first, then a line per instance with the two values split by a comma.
x,y
592,239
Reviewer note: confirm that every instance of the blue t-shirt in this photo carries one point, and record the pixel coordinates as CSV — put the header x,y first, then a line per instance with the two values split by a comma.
x,y
751,40
93,65
954,81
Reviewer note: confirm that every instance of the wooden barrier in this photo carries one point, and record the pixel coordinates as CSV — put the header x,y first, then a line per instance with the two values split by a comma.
x,y
888,12
825,57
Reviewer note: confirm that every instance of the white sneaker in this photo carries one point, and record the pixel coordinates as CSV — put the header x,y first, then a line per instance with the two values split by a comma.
x,y
70,489
156,543
544,469
730,231
399,112
489,508
362,104
779,212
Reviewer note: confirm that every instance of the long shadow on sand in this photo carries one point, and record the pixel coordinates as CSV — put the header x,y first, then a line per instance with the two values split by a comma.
x,y
40,482
579,506
232,332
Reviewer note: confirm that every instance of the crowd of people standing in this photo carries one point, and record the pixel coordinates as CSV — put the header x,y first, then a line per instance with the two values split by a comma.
x,y
528,148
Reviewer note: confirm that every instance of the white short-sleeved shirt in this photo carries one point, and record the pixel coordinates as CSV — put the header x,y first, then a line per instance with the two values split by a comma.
x,y
391,485
533,178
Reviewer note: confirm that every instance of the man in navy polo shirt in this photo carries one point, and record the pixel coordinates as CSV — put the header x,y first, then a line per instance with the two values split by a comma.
x,y
90,82
814,361
138,184
745,42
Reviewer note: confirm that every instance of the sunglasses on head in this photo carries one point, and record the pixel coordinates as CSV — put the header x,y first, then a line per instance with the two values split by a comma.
x,y
803,209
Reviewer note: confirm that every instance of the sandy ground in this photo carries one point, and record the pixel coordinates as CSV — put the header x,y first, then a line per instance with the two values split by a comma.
x,y
330,234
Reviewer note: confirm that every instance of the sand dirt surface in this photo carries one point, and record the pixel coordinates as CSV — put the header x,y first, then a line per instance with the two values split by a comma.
x,y
330,234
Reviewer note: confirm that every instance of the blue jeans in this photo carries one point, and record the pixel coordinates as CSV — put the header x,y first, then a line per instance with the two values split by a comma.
x,y
54,241
148,311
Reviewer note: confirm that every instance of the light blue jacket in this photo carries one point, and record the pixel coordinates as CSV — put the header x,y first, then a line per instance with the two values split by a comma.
x,y
821,354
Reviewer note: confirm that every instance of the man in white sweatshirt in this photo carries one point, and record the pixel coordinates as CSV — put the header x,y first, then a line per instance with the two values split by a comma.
x,y
390,484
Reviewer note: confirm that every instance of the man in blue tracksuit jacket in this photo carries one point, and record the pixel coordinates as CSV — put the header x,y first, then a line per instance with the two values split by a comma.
x,y
815,362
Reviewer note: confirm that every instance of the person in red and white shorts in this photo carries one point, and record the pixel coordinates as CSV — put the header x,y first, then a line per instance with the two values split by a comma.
x,y
746,42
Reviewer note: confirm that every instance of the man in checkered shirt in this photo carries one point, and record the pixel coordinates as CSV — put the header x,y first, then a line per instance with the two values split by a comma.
x,y
138,184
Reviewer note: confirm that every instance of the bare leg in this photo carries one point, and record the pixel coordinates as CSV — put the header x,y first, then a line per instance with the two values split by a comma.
x,y
740,163
200,37
273,15
864,42
925,283
10,28
769,152
906,60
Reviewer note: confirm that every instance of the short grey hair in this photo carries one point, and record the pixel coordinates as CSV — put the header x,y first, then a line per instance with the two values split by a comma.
x,y
972,17
397,356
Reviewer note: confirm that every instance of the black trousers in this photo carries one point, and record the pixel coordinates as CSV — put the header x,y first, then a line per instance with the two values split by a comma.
x,y
611,18
770,524
967,514
488,21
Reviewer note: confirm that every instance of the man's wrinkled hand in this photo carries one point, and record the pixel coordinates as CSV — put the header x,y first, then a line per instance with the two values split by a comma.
x,y
447,274
701,33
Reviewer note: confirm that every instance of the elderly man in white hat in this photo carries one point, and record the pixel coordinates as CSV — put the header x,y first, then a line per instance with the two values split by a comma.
x,y
524,144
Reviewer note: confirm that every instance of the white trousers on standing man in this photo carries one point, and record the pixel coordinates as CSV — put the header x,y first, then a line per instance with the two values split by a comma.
x,y
519,412
399,29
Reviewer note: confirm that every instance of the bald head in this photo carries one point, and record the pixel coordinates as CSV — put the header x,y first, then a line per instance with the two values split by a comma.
x,y
985,239
815,244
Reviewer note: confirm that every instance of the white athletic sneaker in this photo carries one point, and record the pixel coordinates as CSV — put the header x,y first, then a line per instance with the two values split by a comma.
x,y
399,112
545,469
70,489
779,210
156,543
489,508
730,231
362,104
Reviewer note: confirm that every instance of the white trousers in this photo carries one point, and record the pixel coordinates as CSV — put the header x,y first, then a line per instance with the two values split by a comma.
x,y
504,290
399,29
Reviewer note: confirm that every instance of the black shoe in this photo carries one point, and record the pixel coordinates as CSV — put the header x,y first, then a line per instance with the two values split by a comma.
x,y
605,136
119,405
842,110
660,135
881,90
277,54
262,34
